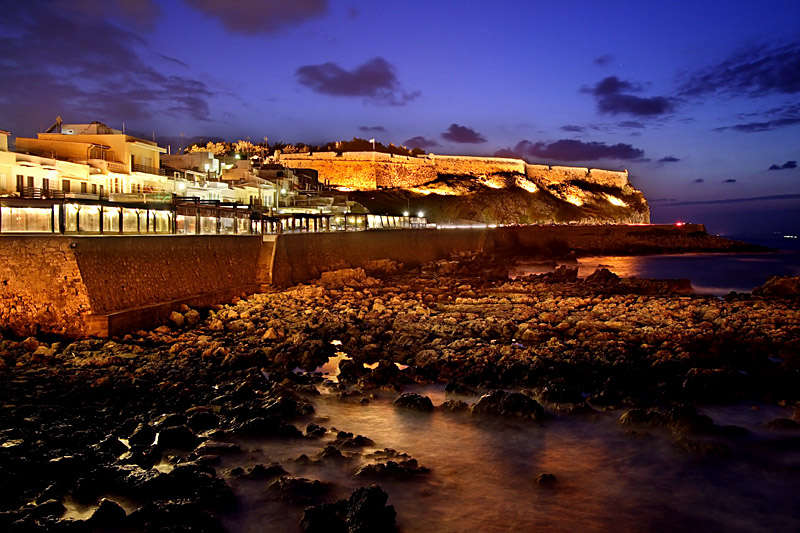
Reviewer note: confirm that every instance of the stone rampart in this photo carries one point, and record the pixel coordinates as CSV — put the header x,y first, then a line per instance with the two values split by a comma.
x,y
303,257
76,286
371,170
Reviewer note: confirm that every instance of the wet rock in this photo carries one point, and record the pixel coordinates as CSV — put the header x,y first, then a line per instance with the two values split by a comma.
x,y
779,286
602,276
336,279
268,427
176,319
143,435
298,489
109,514
325,518
703,448
177,437
455,406
218,448
49,508
367,511
315,430
347,440
170,420
545,480
782,424
455,387
192,317
202,421
260,471
679,420
513,404
412,400
392,470
175,516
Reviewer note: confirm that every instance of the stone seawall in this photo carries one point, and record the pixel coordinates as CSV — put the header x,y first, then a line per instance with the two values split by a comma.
x,y
79,286
372,170
75,286
303,257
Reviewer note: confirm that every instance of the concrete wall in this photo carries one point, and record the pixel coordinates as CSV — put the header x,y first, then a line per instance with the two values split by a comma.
x,y
303,257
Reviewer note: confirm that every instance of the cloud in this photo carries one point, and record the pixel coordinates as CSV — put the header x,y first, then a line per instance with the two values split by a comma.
x,y
753,73
755,127
369,129
699,180
254,17
669,159
603,60
462,134
631,124
420,142
613,97
573,150
59,62
772,197
729,180
573,129
374,81
785,166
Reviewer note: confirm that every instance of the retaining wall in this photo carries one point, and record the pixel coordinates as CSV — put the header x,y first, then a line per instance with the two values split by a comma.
x,y
303,257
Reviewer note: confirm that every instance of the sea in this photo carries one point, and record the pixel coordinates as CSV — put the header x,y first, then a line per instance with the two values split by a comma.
x,y
716,274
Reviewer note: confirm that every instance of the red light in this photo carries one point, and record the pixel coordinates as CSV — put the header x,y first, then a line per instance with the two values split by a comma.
x,y
679,223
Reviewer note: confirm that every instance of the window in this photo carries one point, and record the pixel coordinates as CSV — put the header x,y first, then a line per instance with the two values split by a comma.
x,y
94,188
102,190
20,182
65,185
30,181
45,184
84,187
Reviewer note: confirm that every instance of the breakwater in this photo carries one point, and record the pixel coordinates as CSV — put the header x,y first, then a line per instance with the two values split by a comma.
x,y
83,285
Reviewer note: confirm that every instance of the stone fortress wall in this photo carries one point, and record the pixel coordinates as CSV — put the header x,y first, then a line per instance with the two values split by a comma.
x,y
372,170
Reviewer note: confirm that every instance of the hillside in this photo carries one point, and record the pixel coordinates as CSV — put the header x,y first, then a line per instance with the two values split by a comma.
x,y
510,198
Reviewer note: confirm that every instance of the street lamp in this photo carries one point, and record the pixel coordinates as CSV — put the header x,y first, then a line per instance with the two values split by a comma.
x,y
420,214
405,213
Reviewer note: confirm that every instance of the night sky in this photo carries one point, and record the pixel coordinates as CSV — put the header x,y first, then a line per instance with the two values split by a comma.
x,y
700,101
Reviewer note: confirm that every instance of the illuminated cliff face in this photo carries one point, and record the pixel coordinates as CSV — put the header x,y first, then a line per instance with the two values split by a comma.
x,y
489,190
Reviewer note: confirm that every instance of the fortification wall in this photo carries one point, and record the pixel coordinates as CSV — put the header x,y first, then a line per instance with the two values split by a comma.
x,y
303,257
476,166
76,286
370,170
41,286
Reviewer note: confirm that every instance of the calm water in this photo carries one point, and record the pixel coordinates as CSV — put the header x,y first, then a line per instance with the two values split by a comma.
x,y
716,274
483,473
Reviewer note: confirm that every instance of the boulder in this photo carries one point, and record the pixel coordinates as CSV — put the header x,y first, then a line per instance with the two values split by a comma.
x,y
512,404
779,286
412,400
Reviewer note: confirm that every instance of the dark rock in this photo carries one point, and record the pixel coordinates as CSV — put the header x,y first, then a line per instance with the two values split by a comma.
x,y
202,421
171,420
109,515
412,400
218,448
392,470
455,387
315,430
349,441
513,404
602,276
175,516
779,286
177,437
325,518
782,423
367,511
545,480
143,435
269,471
455,405
268,427
298,489
679,420
49,508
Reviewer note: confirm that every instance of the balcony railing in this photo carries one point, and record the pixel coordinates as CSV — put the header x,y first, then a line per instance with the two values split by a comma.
x,y
36,192
135,167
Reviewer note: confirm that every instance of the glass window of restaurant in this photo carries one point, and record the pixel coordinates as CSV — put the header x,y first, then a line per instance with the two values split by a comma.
x,y
28,219
130,220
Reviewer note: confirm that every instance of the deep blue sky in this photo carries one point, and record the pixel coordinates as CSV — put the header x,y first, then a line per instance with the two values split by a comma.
x,y
698,100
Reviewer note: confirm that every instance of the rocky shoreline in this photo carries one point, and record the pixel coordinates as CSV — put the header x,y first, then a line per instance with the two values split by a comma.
x,y
145,418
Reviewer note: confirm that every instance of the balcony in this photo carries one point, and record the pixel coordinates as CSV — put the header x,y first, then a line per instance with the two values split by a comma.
x,y
135,167
36,192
